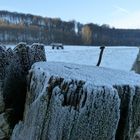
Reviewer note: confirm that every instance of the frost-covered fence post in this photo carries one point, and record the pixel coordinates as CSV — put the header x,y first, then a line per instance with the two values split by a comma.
x,y
37,53
129,111
14,67
100,55
4,125
3,66
2,62
65,106
68,101
137,134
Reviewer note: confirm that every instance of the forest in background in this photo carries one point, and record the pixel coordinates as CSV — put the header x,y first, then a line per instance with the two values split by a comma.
x,y
16,27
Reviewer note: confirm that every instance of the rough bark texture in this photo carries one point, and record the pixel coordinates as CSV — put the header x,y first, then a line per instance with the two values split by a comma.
x,y
61,106
2,62
64,109
129,114
1,98
4,125
14,66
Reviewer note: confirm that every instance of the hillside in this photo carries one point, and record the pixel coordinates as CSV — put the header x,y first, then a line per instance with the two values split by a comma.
x,y
16,27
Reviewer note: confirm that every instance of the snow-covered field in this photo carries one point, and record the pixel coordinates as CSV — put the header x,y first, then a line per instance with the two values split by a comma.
x,y
114,57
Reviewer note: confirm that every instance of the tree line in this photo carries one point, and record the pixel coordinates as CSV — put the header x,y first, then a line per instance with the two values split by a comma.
x,y
104,35
16,27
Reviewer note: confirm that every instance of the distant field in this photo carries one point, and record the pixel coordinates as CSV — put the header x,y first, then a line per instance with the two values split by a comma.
x,y
114,57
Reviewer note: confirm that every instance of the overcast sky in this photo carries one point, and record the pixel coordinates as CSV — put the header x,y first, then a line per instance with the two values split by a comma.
x,y
116,13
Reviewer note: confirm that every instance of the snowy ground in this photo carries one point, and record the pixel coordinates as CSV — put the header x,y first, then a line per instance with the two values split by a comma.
x,y
114,57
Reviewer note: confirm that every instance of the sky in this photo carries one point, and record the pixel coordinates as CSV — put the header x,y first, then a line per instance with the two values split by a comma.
x,y
116,13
